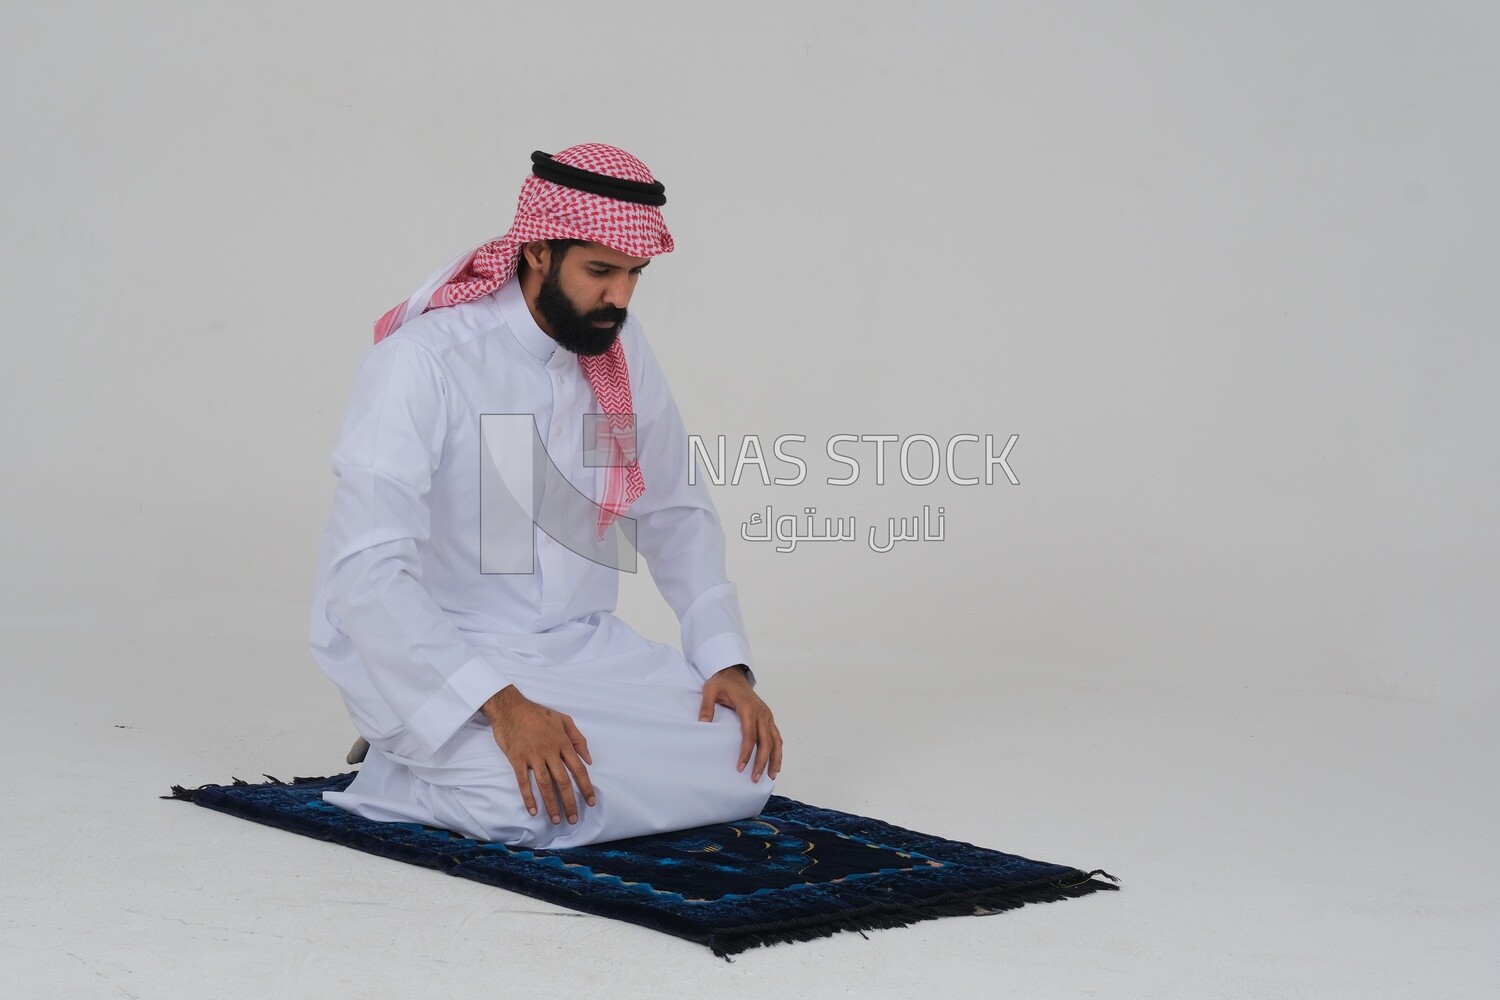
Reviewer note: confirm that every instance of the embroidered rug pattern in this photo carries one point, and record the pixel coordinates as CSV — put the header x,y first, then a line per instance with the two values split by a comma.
x,y
793,873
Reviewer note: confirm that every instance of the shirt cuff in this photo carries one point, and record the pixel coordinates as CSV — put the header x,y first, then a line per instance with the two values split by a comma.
x,y
723,650
466,689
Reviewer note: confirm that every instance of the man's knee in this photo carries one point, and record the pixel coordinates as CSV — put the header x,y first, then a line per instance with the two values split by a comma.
x,y
489,811
751,796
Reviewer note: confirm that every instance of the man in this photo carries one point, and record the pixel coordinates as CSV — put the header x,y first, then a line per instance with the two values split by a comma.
x,y
500,695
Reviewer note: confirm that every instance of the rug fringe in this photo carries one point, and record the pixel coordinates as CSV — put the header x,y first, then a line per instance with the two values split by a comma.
x,y
184,794
977,904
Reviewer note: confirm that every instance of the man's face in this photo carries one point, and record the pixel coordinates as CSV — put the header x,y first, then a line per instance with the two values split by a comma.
x,y
584,293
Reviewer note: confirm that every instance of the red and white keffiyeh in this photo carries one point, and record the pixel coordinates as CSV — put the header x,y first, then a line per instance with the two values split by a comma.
x,y
547,211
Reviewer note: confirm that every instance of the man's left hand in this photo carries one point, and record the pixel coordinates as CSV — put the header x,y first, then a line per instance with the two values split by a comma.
x,y
731,688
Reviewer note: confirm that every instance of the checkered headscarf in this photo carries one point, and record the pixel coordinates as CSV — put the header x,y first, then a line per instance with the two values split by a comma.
x,y
548,211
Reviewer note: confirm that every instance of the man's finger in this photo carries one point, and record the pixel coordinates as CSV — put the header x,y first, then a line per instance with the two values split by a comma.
x,y
523,782
576,738
747,740
580,775
762,747
775,751
706,710
565,788
549,793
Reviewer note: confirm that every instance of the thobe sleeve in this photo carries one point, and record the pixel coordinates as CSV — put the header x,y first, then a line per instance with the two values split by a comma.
x,y
388,449
678,531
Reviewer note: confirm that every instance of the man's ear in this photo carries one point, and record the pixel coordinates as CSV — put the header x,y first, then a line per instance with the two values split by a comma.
x,y
536,254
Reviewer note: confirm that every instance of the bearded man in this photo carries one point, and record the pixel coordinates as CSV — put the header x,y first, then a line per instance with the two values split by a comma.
x,y
474,641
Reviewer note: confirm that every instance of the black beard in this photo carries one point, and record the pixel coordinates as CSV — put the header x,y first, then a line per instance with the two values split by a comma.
x,y
573,330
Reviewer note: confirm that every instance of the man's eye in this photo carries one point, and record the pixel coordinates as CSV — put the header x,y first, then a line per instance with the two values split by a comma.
x,y
596,272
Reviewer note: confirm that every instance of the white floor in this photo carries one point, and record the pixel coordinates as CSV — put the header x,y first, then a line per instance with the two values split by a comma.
x,y
1270,844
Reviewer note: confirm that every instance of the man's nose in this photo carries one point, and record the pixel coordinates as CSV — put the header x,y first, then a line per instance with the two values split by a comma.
x,y
617,292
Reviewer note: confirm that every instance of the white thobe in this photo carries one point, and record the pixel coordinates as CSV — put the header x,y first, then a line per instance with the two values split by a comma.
x,y
417,637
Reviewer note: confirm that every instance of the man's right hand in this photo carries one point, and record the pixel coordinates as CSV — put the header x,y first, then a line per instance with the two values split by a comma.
x,y
536,740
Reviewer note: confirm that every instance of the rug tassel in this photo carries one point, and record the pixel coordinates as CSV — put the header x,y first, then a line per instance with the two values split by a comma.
x,y
185,794
188,794
743,939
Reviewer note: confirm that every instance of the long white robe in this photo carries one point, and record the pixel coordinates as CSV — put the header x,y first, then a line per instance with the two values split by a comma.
x,y
417,638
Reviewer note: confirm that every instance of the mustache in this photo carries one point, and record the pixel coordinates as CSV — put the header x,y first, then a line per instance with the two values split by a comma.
x,y
610,314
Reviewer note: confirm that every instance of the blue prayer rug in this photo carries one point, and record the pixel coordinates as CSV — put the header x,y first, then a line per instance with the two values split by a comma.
x,y
793,873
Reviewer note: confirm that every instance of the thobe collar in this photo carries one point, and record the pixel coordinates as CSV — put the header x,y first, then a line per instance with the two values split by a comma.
x,y
522,324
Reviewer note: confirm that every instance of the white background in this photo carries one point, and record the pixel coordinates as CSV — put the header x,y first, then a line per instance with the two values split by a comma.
x,y
1229,272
